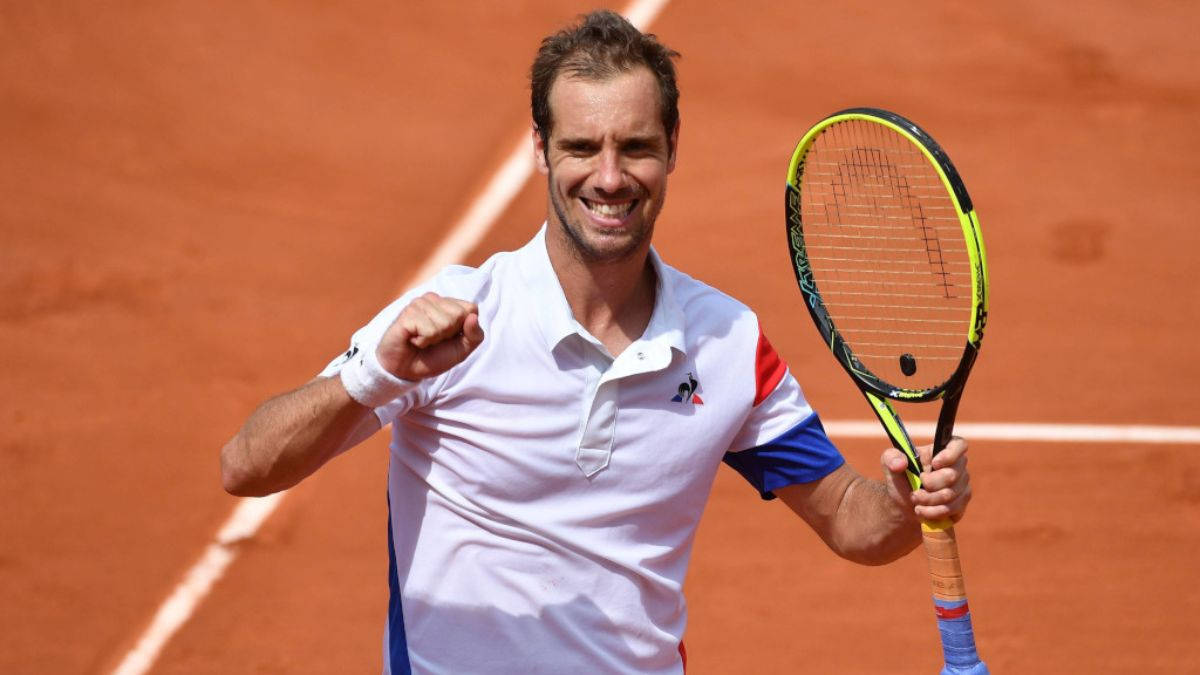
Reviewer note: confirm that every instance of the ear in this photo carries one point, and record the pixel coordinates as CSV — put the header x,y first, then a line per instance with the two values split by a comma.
x,y
674,145
539,152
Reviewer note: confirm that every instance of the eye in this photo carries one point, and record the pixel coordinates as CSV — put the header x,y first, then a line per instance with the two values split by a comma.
x,y
578,148
639,147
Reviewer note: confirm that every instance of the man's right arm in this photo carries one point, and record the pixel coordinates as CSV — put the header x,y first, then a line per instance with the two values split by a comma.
x,y
292,435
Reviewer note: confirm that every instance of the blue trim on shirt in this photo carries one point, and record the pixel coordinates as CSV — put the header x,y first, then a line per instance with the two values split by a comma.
x,y
397,639
801,454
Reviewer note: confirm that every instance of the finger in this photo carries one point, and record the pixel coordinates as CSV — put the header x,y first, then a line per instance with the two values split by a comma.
x,y
942,478
952,510
437,318
441,356
417,323
441,311
925,454
454,311
954,451
449,308
927,497
939,488
464,305
467,319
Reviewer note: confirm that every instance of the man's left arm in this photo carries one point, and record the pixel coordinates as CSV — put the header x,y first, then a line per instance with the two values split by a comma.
x,y
875,522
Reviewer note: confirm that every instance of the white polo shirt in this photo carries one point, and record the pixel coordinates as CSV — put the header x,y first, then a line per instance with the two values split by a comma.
x,y
544,494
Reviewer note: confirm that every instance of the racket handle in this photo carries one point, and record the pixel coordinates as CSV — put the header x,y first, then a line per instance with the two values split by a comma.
x,y
950,601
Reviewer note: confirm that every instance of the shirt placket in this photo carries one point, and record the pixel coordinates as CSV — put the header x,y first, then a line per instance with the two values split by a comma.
x,y
599,428
594,451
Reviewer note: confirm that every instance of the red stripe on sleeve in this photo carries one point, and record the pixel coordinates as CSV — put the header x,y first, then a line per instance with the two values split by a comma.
x,y
768,369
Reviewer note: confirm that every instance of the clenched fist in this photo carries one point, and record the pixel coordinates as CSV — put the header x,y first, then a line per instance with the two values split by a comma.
x,y
431,335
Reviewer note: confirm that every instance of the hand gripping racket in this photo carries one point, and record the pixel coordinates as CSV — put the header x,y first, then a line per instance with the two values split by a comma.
x,y
890,261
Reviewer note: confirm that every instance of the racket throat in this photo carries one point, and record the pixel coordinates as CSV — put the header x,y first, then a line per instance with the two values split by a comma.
x,y
890,419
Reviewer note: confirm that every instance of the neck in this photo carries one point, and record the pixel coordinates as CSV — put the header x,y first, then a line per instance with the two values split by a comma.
x,y
612,300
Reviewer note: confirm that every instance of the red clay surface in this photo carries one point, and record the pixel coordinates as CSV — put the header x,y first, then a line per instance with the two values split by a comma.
x,y
198,206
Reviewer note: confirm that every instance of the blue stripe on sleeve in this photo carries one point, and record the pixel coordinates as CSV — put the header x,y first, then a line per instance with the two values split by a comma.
x,y
802,454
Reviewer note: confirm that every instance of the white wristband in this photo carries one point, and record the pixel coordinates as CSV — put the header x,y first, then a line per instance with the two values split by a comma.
x,y
368,383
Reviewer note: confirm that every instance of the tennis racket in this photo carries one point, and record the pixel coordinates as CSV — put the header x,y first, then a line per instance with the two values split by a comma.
x,y
890,261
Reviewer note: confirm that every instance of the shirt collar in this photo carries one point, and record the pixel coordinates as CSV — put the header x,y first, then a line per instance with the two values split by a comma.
x,y
552,314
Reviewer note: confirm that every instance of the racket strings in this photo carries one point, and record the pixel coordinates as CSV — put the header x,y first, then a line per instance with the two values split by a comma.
x,y
887,251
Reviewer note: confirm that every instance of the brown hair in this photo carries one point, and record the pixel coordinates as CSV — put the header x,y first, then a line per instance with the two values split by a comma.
x,y
602,44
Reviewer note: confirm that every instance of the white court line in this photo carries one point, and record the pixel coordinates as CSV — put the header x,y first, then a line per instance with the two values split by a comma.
x,y
1049,433
178,607
251,512
494,199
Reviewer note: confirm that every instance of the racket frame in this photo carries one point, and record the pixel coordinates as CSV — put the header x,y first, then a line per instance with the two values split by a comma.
x,y
877,390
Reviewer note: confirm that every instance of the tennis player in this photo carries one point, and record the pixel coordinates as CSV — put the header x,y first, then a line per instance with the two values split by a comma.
x,y
558,414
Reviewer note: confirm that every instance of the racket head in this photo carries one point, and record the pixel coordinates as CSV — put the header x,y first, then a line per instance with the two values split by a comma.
x,y
887,253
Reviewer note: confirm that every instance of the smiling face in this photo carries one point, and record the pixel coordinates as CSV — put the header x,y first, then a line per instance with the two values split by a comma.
x,y
606,163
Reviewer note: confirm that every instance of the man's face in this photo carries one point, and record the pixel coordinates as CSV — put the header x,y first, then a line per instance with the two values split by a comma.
x,y
607,162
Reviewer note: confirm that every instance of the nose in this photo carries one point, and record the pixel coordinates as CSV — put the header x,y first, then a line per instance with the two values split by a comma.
x,y
609,173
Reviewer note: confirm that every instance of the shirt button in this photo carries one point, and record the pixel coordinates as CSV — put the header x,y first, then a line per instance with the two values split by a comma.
x,y
641,356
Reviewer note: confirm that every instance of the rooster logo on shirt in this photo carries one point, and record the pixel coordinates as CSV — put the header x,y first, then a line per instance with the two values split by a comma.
x,y
687,392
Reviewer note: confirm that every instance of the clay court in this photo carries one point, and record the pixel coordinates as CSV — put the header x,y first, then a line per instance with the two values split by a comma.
x,y
200,202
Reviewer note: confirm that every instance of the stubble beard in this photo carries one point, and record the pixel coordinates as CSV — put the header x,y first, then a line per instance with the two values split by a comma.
x,y
589,252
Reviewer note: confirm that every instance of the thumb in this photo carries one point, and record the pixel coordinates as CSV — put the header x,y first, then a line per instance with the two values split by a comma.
x,y
895,466
472,332
470,338
894,462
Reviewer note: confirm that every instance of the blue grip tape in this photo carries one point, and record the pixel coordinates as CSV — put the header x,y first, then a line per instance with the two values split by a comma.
x,y
958,638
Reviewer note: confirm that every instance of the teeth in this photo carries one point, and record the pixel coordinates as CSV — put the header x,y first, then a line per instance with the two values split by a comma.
x,y
609,210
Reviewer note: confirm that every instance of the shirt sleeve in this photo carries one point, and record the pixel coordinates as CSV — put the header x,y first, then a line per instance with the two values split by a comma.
x,y
782,441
